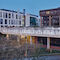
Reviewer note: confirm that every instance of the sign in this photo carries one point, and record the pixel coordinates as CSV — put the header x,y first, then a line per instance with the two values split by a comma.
x,y
47,12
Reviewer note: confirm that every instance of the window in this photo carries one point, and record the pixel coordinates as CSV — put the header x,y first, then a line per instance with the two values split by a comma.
x,y
12,22
45,21
16,16
12,15
43,12
55,21
9,15
5,15
19,22
53,12
5,21
19,16
9,21
0,14
32,21
1,21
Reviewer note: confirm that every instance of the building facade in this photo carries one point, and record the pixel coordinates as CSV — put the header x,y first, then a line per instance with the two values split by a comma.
x,y
32,20
50,17
10,18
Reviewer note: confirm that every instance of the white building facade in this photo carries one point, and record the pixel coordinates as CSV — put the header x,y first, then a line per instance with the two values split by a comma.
x,y
9,18
32,20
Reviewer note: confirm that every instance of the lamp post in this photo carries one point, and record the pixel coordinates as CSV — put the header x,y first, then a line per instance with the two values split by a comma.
x,y
24,16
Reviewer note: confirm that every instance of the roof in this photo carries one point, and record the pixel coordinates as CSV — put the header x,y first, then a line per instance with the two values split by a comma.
x,y
16,12
50,9
10,10
33,15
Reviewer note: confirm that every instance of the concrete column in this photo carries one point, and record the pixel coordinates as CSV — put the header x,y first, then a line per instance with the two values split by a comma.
x,y
7,36
18,39
48,42
36,39
50,21
40,21
59,21
26,39
26,46
30,39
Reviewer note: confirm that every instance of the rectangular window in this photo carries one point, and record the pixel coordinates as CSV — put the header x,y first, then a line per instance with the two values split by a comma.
x,y
5,21
9,15
5,15
19,16
9,21
14,21
55,21
16,16
1,21
12,15
0,14
19,22
33,21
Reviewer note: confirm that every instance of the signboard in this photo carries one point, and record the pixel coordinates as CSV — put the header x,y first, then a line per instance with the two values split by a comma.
x,y
47,12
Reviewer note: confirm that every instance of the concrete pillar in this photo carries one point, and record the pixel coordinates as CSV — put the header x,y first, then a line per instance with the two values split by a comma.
x,y
26,46
30,39
7,36
40,21
50,21
36,40
59,21
18,39
48,42
26,39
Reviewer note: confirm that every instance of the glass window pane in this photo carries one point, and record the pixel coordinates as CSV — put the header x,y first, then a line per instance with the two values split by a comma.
x,y
12,15
9,15
9,21
0,14
16,16
1,21
32,21
5,15
5,21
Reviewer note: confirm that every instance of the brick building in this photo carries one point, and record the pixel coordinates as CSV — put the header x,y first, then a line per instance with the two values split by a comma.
x,y
50,17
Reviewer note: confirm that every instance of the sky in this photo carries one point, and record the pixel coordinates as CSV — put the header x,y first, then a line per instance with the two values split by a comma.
x,y
31,6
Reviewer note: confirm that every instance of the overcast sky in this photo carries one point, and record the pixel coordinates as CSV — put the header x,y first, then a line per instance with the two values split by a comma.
x,y
31,6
